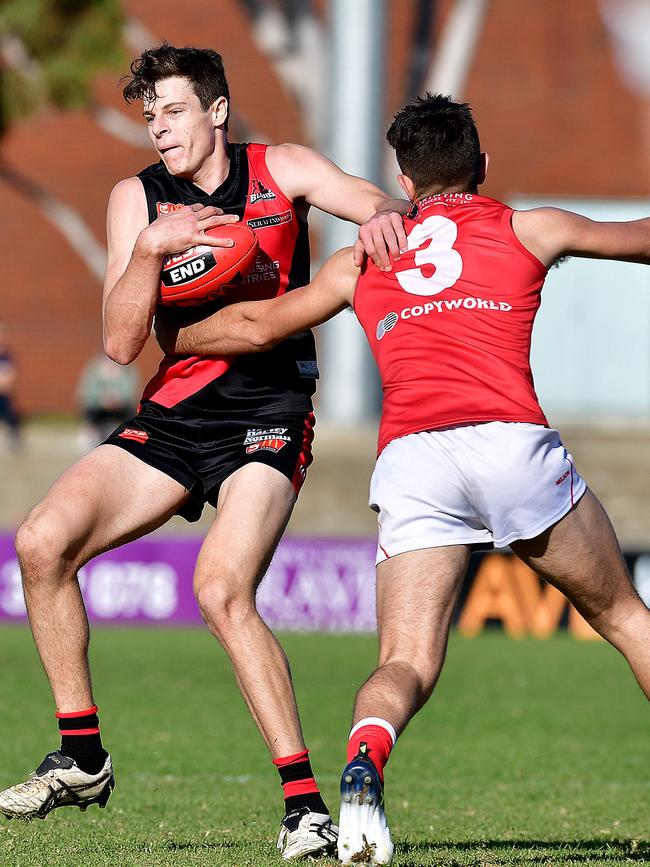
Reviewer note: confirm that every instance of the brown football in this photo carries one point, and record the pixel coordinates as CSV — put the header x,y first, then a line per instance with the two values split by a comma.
x,y
203,274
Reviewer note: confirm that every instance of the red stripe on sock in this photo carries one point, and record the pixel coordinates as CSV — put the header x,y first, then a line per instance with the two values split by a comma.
x,y
93,709
67,732
300,787
290,760
379,742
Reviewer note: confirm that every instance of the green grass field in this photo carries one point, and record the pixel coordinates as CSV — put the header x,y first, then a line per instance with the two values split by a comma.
x,y
530,753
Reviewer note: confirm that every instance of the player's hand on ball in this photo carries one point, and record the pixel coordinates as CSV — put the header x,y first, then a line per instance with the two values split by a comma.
x,y
185,228
382,238
210,217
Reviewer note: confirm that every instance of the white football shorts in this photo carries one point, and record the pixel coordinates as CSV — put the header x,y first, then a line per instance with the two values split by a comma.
x,y
480,484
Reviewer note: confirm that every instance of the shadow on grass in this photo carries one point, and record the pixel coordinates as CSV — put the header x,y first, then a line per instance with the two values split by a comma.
x,y
493,852
474,852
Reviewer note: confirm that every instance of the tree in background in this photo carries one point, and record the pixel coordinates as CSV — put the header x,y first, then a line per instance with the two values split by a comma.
x,y
50,50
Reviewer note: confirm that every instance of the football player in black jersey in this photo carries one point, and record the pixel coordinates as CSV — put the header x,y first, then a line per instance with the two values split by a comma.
x,y
245,456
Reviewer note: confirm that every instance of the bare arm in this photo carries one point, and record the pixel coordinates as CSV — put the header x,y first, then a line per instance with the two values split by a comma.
x,y
304,173
136,250
550,233
256,326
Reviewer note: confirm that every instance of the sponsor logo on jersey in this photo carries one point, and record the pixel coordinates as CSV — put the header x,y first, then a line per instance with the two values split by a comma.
x,y
391,319
263,269
259,192
164,208
271,220
131,433
183,267
308,369
270,439
386,324
563,477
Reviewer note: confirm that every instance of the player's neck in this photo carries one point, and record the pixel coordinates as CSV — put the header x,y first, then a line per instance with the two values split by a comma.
x,y
452,191
213,171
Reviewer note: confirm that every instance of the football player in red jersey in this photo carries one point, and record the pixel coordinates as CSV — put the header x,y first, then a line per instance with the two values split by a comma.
x,y
254,417
466,456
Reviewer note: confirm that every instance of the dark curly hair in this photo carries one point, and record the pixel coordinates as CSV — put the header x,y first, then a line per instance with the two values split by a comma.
x,y
436,144
203,67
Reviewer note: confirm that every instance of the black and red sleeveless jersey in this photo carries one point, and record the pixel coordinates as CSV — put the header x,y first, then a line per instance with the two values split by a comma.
x,y
284,377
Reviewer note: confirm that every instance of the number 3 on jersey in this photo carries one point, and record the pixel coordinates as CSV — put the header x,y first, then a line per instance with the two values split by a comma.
x,y
438,264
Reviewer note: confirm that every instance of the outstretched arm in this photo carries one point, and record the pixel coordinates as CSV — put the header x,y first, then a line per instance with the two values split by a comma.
x,y
304,173
256,326
550,233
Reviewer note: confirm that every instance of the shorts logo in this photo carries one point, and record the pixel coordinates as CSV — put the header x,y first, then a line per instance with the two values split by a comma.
x,y
259,192
386,324
563,477
130,433
164,208
308,369
270,439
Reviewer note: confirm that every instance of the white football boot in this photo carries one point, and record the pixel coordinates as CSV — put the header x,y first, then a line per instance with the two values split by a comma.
x,y
57,782
305,833
364,836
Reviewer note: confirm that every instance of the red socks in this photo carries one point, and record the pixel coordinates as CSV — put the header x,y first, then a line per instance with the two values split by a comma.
x,y
298,783
378,735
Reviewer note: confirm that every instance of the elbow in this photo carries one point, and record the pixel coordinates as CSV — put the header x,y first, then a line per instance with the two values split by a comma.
x,y
261,338
118,353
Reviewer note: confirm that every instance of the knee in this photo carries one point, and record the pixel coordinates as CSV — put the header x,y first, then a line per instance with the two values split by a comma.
x,y
622,619
420,672
223,603
40,545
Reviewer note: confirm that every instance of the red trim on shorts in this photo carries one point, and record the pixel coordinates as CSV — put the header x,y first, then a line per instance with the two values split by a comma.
x,y
305,457
67,732
73,714
572,500
180,378
300,787
383,551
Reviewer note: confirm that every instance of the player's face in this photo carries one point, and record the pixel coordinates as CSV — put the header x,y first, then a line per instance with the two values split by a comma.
x,y
182,133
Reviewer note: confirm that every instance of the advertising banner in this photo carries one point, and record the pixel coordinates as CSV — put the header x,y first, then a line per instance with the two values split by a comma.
x,y
312,584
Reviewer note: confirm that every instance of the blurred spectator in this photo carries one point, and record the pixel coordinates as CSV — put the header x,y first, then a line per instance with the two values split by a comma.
x,y
107,394
8,374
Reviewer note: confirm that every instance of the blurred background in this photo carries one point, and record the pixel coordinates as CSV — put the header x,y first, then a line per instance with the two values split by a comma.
x,y
561,95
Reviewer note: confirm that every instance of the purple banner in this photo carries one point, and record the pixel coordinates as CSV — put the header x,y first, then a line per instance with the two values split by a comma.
x,y
311,584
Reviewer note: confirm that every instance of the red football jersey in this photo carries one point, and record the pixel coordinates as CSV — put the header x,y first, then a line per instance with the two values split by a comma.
x,y
450,326
284,376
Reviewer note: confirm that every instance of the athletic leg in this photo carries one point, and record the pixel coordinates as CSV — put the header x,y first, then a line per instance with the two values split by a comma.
x,y
416,594
253,508
580,556
252,511
106,499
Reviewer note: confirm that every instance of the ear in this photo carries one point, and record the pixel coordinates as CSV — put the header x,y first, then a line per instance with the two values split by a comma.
x,y
220,111
408,186
485,162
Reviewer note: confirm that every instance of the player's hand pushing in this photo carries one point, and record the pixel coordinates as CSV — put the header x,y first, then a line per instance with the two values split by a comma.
x,y
185,228
381,238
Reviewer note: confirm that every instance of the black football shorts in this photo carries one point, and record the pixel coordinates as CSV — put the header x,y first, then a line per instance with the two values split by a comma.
x,y
202,453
